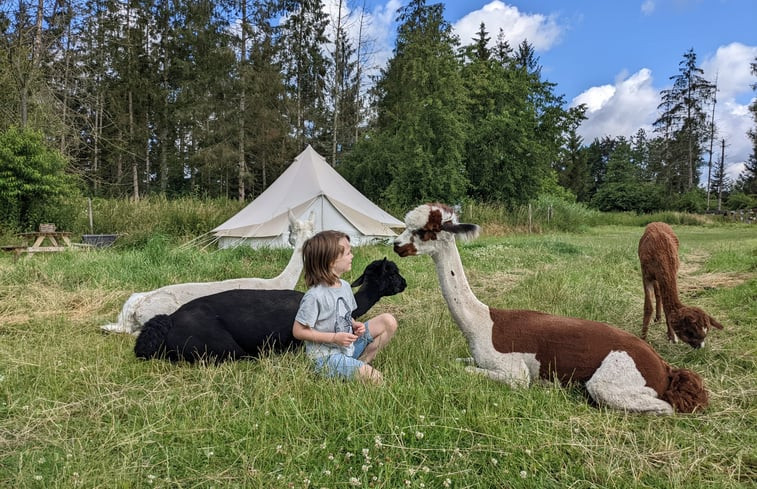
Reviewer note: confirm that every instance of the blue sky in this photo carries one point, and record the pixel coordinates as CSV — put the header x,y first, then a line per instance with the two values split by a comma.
x,y
616,56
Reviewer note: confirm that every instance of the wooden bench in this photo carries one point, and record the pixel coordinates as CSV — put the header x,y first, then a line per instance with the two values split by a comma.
x,y
17,250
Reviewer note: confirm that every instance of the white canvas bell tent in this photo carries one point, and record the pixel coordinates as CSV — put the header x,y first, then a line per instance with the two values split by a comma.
x,y
310,184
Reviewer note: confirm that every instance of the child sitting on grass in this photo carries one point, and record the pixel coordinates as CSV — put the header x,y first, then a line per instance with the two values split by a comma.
x,y
338,345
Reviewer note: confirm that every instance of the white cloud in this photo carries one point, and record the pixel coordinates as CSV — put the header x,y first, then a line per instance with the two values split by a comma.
x,y
647,7
620,109
541,31
631,103
595,97
731,65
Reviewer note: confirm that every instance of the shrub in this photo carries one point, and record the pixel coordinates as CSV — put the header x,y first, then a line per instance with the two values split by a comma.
x,y
625,196
34,186
694,200
740,200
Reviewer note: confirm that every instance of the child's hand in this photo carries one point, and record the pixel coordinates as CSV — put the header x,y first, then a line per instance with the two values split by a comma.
x,y
358,328
344,339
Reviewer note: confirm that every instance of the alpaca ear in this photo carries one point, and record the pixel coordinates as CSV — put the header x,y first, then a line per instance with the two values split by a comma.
x,y
713,322
358,281
463,231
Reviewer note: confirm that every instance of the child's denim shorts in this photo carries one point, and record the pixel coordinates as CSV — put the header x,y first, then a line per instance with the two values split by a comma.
x,y
341,365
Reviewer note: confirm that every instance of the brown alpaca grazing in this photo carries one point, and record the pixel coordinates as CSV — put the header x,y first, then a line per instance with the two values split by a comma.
x,y
518,347
658,254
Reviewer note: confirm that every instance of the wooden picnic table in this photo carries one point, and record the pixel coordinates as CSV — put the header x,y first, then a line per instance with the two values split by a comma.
x,y
42,241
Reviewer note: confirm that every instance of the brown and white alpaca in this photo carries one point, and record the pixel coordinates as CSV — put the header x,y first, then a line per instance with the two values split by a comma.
x,y
140,307
658,254
517,347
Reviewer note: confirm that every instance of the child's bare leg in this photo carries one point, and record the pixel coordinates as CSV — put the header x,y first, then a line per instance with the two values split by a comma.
x,y
382,329
366,373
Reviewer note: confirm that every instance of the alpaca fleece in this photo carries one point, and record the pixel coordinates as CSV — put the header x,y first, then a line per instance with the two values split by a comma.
x,y
142,306
658,254
517,347
238,324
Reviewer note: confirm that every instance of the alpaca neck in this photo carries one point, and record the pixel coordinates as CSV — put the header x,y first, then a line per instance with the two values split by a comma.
x,y
365,299
288,278
670,302
668,285
471,315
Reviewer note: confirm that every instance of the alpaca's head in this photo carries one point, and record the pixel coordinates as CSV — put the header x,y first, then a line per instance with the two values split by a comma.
x,y
429,226
300,231
382,277
691,325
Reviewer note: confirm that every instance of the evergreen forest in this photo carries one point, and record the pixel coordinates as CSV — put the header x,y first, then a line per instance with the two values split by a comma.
x,y
128,99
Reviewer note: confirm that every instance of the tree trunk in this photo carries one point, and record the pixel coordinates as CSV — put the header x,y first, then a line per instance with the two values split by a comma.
x,y
337,83
134,164
97,133
721,173
242,72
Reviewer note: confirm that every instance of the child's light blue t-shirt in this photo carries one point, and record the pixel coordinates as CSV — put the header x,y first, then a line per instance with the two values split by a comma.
x,y
327,309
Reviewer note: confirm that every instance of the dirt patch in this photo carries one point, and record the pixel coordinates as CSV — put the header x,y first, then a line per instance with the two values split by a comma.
x,y
690,282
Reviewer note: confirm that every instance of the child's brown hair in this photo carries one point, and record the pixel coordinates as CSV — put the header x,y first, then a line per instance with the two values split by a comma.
x,y
318,253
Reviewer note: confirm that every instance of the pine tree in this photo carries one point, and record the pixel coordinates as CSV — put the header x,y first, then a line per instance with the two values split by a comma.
x,y
270,146
419,133
573,173
683,123
344,98
623,187
306,66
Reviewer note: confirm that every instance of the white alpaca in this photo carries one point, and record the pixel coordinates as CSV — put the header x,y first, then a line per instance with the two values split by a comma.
x,y
518,347
142,306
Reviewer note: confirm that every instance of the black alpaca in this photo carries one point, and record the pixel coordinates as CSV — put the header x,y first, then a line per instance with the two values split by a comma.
x,y
248,323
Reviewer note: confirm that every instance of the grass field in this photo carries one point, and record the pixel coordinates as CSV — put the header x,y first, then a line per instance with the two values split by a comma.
x,y
78,410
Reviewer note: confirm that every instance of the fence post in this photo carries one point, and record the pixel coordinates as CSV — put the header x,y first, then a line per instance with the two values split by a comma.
x,y
530,217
